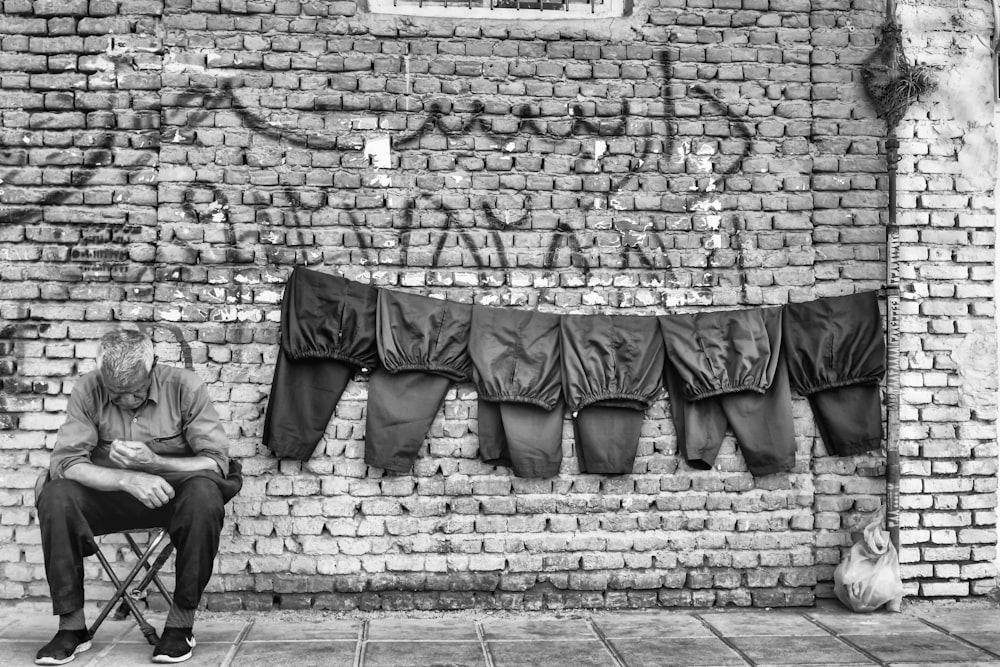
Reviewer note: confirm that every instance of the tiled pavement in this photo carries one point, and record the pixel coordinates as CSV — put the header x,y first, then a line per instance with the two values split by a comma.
x,y
965,635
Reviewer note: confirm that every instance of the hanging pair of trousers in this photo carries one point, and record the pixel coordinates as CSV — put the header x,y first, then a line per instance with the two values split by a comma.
x,y
517,371
71,515
423,348
836,358
327,336
725,371
612,372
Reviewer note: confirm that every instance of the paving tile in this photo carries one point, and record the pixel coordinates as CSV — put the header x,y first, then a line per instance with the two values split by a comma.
x,y
22,653
932,647
946,663
676,652
31,627
569,653
943,664
875,623
824,650
423,654
7,619
985,640
422,628
205,630
524,628
324,630
757,623
965,620
652,626
131,654
300,654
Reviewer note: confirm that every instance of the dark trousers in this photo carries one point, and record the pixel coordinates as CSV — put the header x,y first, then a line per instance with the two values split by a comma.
x,y
304,396
525,437
607,438
762,423
71,514
401,408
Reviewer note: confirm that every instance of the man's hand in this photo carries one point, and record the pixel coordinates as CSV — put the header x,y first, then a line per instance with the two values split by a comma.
x,y
134,455
151,490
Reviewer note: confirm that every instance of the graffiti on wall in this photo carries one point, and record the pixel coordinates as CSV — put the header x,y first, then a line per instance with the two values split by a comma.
x,y
482,226
619,154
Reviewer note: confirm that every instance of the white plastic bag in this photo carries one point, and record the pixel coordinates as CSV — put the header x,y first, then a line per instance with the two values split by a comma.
x,y
869,577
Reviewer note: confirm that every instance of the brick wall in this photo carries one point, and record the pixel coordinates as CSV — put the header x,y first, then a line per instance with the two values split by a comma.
x,y
167,164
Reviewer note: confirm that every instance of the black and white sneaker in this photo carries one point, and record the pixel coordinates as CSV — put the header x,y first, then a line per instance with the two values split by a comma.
x,y
63,647
175,645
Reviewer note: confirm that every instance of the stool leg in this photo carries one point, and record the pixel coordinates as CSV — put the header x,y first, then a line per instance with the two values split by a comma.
x,y
120,592
151,576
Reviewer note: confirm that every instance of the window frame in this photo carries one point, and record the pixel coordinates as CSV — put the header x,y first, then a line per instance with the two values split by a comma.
x,y
460,9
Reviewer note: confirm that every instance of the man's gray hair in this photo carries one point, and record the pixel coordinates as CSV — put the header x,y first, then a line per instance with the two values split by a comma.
x,y
122,354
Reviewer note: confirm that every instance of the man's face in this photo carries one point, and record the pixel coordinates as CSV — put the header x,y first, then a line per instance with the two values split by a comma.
x,y
133,393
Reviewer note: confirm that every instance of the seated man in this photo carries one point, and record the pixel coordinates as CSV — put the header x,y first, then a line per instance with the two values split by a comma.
x,y
141,447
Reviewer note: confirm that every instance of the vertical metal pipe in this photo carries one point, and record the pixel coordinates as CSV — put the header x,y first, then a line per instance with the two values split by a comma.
x,y
892,347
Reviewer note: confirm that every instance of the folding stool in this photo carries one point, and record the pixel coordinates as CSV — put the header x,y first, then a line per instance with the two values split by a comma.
x,y
158,540
157,550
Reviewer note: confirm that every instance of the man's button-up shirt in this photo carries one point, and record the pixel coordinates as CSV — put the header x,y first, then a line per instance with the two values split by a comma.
x,y
176,419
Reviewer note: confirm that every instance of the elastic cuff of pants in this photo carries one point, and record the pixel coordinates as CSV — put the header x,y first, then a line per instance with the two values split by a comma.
x,y
857,447
74,620
783,466
300,451
385,465
180,617
497,461
609,470
62,609
535,472
701,463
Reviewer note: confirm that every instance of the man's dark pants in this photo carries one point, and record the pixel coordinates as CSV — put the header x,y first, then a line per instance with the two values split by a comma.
x,y
71,515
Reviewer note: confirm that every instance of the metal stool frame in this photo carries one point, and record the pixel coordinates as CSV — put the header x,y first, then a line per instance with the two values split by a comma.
x,y
129,598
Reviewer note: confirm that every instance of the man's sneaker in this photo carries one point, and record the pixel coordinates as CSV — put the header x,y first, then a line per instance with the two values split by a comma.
x,y
63,647
175,645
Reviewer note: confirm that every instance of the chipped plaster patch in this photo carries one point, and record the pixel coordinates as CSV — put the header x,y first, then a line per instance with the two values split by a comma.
x,y
714,241
976,362
219,211
633,232
707,205
977,156
267,296
508,220
701,163
600,148
377,149
673,299
680,150
236,314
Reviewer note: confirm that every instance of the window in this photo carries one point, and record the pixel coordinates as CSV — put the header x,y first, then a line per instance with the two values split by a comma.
x,y
501,9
